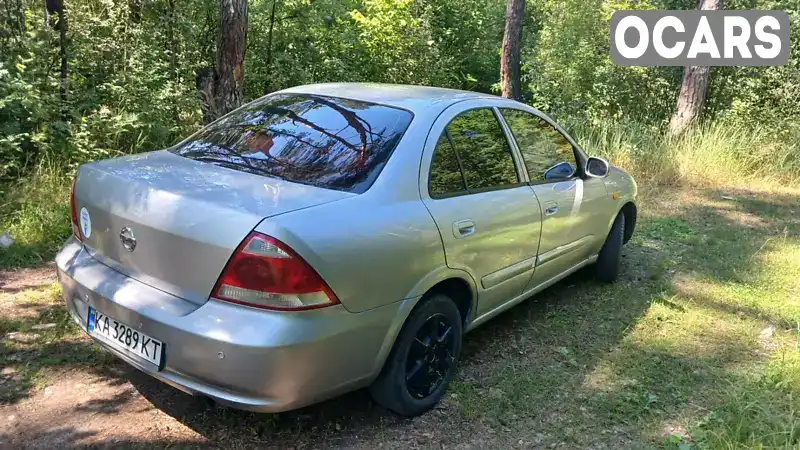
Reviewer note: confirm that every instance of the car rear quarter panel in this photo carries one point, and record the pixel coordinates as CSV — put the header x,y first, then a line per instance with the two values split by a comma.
x,y
378,247
370,252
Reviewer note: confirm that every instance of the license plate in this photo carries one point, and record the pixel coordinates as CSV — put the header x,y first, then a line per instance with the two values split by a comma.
x,y
124,338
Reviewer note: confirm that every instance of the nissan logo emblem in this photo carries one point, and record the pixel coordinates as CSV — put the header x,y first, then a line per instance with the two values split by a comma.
x,y
128,239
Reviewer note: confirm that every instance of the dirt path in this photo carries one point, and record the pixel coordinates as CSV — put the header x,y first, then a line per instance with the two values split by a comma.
x,y
82,408
16,280
115,405
78,407
126,408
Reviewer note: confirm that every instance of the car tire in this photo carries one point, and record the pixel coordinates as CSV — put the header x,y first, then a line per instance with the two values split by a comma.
x,y
608,261
399,387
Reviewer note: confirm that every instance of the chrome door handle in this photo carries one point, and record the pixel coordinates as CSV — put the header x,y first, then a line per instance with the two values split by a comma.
x,y
463,228
550,208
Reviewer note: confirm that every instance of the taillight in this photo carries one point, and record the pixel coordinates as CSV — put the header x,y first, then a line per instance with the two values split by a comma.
x,y
265,273
76,228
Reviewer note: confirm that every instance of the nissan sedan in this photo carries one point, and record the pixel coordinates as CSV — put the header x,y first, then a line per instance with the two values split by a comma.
x,y
332,237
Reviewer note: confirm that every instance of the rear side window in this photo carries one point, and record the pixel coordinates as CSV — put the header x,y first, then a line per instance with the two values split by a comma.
x,y
481,152
322,141
446,178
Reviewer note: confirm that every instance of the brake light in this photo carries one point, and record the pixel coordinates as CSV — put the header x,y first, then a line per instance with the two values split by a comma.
x,y
266,273
76,228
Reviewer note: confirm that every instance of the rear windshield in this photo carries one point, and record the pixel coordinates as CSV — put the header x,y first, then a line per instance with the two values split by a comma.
x,y
322,141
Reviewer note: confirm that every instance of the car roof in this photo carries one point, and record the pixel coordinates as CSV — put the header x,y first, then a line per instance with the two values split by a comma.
x,y
413,98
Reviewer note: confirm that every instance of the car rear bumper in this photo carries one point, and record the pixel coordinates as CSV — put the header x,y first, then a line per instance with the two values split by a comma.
x,y
242,357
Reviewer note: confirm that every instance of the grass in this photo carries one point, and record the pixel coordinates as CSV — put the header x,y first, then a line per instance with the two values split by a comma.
x,y
711,155
695,347
38,341
35,212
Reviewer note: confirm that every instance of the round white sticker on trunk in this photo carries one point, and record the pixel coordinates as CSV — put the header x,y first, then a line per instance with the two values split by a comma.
x,y
86,223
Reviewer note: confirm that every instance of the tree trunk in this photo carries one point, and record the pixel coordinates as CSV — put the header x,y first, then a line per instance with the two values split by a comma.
x,y
229,82
510,59
268,81
694,88
62,53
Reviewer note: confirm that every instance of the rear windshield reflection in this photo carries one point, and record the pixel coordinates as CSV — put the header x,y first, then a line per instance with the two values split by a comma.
x,y
322,141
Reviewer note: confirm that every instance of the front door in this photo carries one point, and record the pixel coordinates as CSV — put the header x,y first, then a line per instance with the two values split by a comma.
x,y
486,215
570,203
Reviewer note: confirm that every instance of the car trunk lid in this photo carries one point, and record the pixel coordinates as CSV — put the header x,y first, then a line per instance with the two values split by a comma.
x,y
172,222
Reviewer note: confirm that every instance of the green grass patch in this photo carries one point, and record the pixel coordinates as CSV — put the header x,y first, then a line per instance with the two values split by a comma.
x,y
35,212
38,340
760,413
695,347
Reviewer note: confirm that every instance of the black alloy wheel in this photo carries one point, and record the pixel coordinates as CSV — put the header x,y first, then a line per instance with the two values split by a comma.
x,y
423,359
430,358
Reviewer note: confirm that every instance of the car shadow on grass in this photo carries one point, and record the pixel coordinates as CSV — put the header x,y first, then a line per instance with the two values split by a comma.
x,y
41,343
353,420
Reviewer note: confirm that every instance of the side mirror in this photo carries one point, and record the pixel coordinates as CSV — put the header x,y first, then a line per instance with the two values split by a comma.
x,y
596,167
561,170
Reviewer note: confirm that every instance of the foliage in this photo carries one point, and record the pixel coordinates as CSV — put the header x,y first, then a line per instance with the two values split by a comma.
x,y
570,73
132,69
133,66
125,90
35,212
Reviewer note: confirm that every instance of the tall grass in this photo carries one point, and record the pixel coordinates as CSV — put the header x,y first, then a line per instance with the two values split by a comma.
x,y
764,413
712,154
34,210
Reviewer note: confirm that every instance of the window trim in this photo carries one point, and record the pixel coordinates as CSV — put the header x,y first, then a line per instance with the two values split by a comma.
x,y
577,152
458,158
521,181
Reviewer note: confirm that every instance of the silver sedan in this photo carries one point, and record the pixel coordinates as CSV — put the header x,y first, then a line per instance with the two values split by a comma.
x,y
331,237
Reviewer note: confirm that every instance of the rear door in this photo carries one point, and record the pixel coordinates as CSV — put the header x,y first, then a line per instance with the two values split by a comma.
x,y
570,203
487,217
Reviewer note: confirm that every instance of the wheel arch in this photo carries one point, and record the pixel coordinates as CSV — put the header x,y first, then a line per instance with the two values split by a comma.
x,y
630,211
460,292
456,284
